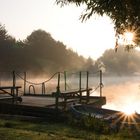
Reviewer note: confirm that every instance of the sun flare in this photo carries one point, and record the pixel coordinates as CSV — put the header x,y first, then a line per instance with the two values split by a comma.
x,y
128,110
127,38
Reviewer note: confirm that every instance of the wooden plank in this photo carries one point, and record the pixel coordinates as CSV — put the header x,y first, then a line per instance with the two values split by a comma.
x,y
75,91
10,87
38,95
85,97
13,92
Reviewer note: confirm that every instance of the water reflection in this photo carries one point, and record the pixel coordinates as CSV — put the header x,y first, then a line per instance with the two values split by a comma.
x,y
122,93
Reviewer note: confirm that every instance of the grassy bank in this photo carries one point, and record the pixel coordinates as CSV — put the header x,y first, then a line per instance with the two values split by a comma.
x,y
19,129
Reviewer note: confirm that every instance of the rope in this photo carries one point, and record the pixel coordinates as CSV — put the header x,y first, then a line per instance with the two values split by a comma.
x,y
36,83
32,83
95,89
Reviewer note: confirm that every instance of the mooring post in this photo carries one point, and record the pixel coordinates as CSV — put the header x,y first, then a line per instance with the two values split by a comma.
x,y
43,88
14,84
101,84
24,83
80,82
87,86
65,80
14,79
57,92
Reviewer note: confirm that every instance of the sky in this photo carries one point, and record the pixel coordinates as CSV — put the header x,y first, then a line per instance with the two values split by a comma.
x,y
89,38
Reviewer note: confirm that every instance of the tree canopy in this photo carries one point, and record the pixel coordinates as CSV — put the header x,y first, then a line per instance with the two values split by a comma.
x,y
121,63
124,13
38,53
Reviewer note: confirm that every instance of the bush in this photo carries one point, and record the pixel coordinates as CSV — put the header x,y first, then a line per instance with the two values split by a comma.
x,y
90,123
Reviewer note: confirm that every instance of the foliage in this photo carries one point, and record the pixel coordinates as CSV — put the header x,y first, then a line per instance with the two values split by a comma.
x,y
38,53
50,54
40,131
124,13
14,128
90,123
121,63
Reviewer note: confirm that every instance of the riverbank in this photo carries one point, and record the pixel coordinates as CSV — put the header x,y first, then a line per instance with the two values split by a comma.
x,y
16,128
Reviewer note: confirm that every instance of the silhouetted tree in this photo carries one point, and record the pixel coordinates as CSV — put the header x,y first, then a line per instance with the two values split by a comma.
x,y
51,55
6,45
121,63
124,13
38,53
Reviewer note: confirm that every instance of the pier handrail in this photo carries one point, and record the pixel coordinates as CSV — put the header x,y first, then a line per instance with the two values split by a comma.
x,y
32,83
43,83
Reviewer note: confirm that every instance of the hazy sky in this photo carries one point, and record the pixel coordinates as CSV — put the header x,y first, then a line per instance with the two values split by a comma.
x,y
90,38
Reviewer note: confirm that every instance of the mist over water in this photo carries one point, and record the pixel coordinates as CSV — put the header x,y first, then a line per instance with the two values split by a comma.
x,y
122,93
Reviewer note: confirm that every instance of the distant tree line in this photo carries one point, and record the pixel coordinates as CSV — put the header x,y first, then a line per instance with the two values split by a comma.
x,y
40,53
120,63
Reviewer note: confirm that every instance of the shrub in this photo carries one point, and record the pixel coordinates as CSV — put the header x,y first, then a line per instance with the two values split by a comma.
x,y
90,123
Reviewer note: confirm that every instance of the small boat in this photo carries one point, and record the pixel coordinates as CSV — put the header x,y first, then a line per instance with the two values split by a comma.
x,y
104,114
81,110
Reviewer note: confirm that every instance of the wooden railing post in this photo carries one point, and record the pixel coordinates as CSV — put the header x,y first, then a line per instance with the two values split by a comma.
x,y
65,80
57,92
14,84
101,84
87,87
80,86
24,83
14,79
43,88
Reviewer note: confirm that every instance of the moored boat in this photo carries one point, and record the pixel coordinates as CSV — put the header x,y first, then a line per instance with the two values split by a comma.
x,y
108,115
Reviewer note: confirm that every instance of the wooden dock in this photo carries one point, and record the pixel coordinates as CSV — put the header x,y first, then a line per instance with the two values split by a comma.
x,y
58,100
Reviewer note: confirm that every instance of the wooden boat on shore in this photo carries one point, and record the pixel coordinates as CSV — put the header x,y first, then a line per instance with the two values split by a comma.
x,y
104,114
84,110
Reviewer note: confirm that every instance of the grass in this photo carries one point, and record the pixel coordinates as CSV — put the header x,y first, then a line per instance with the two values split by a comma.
x,y
17,129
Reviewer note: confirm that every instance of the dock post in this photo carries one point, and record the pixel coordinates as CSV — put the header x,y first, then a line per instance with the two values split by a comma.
x,y
65,80
57,92
80,82
24,83
43,88
101,84
87,86
14,79
14,84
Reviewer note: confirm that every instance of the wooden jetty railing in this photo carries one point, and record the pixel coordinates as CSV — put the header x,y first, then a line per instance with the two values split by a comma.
x,y
75,94
12,90
66,95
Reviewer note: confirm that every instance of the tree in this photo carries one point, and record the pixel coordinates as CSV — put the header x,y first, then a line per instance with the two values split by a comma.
x,y
5,39
124,13
121,63
50,55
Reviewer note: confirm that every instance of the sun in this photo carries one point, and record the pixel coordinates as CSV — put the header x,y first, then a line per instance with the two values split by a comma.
x,y
128,110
